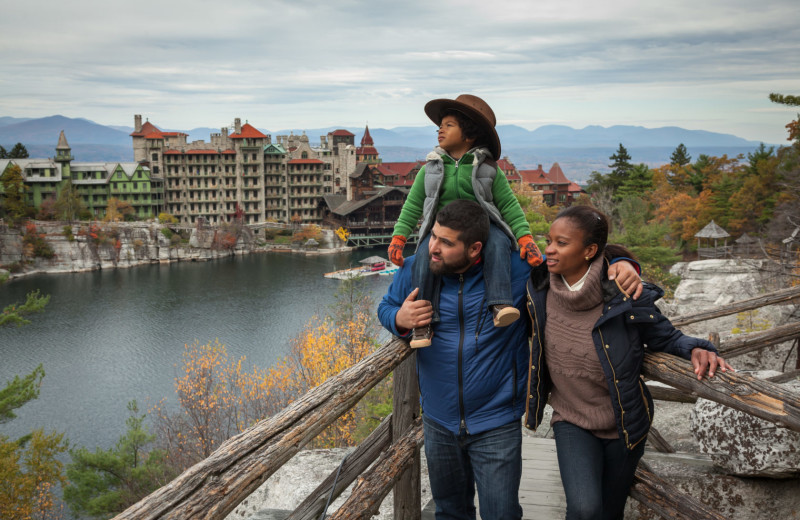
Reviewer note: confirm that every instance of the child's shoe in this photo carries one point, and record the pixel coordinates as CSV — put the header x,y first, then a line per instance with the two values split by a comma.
x,y
421,337
504,315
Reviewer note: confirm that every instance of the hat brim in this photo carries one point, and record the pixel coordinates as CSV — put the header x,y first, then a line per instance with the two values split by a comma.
x,y
435,107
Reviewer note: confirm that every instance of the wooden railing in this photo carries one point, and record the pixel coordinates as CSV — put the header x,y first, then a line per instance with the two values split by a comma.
x,y
214,487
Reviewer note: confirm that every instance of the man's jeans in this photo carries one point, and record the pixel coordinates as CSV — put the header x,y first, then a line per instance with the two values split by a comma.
x,y
597,473
492,460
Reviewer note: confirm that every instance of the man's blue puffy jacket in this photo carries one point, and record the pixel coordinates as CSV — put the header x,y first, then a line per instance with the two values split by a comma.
x,y
473,376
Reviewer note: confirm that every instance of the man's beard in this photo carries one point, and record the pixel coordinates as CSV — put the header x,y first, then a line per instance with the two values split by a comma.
x,y
456,267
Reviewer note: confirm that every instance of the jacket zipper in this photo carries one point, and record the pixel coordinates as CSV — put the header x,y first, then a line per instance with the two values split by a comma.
x,y
534,331
461,333
616,387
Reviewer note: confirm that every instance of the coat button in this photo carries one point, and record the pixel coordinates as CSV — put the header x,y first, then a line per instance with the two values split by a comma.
x,y
631,316
531,396
533,367
607,346
651,316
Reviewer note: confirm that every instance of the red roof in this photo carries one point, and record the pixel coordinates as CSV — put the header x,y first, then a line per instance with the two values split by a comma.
x,y
367,139
573,187
305,161
248,131
556,175
366,150
204,152
147,128
343,132
534,176
399,170
154,135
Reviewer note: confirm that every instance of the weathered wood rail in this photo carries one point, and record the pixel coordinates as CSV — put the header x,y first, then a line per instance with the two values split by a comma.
x,y
389,457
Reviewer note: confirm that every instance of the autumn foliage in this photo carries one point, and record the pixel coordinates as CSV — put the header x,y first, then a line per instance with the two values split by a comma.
x,y
219,398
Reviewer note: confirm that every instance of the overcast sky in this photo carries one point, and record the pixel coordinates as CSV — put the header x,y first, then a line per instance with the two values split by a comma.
x,y
699,64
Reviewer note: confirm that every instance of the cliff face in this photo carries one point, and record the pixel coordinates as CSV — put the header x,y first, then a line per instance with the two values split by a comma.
x,y
90,246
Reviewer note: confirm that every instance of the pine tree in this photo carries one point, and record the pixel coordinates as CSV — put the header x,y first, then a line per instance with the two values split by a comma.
x,y
18,152
29,467
3,153
105,482
620,167
680,157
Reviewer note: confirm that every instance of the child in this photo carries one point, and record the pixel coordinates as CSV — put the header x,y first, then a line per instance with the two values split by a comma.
x,y
464,166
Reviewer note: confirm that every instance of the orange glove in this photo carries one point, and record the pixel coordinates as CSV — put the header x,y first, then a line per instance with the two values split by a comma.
x,y
396,249
528,251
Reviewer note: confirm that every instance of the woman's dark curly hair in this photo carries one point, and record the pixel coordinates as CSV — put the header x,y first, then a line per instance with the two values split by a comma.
x,y
595,227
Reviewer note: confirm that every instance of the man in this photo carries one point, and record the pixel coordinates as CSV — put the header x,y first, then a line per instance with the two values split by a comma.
x,y
472,378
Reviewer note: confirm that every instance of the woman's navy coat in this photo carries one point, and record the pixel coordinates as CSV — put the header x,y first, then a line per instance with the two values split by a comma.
x,y
624,330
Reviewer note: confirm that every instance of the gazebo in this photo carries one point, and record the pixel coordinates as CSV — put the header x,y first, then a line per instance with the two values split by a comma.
x,y
745,244
712,232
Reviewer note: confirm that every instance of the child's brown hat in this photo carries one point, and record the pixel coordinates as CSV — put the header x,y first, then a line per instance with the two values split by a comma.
x,y
474,108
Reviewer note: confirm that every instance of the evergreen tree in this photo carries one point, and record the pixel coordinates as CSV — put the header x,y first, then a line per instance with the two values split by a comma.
x,y
105,482
3,153
680,157
638,183
29,467
13,196
792,101
18,152
620,167
14,314
762,153
19,391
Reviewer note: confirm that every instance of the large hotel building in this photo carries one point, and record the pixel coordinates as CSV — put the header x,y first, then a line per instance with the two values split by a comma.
x,y
244,170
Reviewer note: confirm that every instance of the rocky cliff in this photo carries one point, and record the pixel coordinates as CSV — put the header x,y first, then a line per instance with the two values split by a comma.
x,y
88,246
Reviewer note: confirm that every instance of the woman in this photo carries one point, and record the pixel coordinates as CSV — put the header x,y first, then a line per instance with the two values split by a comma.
x,y
588,344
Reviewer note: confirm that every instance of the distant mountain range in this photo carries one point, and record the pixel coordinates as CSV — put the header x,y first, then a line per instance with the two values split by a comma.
x,y
578,151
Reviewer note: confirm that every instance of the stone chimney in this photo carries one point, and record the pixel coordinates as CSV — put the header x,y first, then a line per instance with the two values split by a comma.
x,y
137,123
237,126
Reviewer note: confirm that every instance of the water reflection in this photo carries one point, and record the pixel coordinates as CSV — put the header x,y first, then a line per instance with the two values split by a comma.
x,y
111,336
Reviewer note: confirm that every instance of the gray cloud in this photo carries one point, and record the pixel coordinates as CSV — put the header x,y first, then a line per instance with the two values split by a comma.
x,y
706,65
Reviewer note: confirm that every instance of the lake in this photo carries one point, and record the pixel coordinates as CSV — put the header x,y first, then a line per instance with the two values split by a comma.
x,y
111,336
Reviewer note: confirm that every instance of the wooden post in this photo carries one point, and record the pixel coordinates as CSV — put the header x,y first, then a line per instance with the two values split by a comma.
x,y
213,487
784,295
667,500
757,340
763,399
370,490
358,461
405,402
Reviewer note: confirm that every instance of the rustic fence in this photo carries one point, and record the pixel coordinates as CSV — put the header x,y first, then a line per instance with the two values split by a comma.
x,y
389,458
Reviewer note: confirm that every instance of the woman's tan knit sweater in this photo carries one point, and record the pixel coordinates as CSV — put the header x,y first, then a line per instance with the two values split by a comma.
x,y
580,391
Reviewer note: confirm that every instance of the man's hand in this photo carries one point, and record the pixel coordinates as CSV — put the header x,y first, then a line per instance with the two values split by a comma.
x,y
529,251
705,361
413,313
626,277
396,249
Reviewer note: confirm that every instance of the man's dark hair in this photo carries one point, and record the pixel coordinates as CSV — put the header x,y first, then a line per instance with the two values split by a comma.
x,y
469,129
468,218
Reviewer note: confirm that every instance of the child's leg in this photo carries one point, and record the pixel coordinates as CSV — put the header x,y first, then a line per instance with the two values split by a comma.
x,y
422,277
497,267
